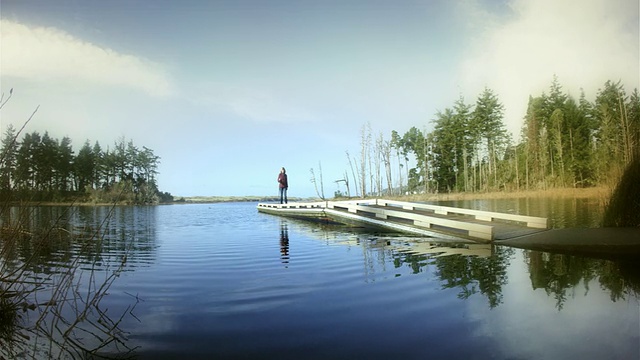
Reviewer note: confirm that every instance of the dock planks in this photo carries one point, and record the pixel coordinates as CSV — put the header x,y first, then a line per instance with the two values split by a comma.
x,y
415,218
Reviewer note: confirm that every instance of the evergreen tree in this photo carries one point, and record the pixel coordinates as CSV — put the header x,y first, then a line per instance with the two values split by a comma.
x,y
564,142
534,166
8,154
45,160
466,138
100,176
64,165
26,165
634,121
401,154
580,130
612,140
444,151
554,107
413,142
488,123
85,167
43,168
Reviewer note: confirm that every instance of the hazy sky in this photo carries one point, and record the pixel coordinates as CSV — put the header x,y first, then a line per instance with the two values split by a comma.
x,y
227,92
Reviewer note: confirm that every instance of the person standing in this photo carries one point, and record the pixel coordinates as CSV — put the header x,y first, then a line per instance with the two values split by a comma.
x,y
284,185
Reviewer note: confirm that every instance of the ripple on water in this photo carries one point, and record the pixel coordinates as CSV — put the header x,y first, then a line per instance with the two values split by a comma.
x,y
224,281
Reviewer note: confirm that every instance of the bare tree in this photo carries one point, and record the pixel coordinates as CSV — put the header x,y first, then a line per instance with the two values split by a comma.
x,y
314,180
386,159
346,183
354,171
365,144
378,160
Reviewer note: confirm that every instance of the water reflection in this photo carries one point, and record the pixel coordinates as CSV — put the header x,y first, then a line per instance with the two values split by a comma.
x,y
441,249
482,269
562,212
224,287
37,237
57,264
46,238
559,274
284,243
479,271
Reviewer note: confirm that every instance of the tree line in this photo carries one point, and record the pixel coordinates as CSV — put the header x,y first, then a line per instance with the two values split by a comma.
x,y
42,168
564,142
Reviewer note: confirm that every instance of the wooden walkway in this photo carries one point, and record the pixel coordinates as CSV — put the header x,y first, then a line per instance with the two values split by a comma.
x,y
415,218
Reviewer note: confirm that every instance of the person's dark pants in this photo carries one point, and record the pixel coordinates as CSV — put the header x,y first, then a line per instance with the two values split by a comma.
x,y
283,195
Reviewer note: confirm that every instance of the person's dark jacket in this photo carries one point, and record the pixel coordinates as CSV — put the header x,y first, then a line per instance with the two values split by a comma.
x,y
282,180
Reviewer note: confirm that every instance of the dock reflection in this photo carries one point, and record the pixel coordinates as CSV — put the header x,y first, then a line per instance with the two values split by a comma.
x,y
438,249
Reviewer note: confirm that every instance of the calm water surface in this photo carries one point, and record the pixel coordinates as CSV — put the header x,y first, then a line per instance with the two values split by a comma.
x,y
222,281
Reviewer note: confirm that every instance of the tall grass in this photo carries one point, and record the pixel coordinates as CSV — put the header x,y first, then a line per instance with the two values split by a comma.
x,y
623,208
593,192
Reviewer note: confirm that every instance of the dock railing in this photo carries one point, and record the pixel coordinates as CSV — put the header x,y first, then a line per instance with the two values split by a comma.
x,y
530,221
480,231
296,205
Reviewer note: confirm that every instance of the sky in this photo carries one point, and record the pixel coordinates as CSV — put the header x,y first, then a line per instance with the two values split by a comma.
x,y
228,92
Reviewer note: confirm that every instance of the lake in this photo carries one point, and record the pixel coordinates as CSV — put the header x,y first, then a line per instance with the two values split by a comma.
x,y
222,281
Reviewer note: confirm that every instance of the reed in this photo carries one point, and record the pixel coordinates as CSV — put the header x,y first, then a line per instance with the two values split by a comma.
x,y
51,308
576,193
623,208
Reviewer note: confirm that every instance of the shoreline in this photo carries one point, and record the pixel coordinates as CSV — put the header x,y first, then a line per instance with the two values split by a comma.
x,y
602,193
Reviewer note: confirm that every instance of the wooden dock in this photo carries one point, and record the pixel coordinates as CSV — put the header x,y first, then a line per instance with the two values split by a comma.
x,y
415,218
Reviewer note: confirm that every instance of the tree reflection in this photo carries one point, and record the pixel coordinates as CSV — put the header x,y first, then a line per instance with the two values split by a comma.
x,y
485,272
43,238
484,275
56,265
557,274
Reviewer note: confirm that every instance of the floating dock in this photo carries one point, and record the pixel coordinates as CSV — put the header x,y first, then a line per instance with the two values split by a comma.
x,y
436,221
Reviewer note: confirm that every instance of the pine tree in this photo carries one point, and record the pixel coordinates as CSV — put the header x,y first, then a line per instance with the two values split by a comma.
x,y
444,151
85,167
634,122
488,120
8,154
612,142
64,165
466,136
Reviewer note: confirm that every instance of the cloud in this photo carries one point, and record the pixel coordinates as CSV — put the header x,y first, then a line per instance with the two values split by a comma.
x,y
253,104
266,108
583,42
44,53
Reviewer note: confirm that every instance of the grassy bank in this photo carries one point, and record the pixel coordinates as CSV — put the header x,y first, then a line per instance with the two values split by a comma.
x,y
594,192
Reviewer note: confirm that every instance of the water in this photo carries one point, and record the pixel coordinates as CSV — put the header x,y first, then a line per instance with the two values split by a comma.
x,y
563,212
222,281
